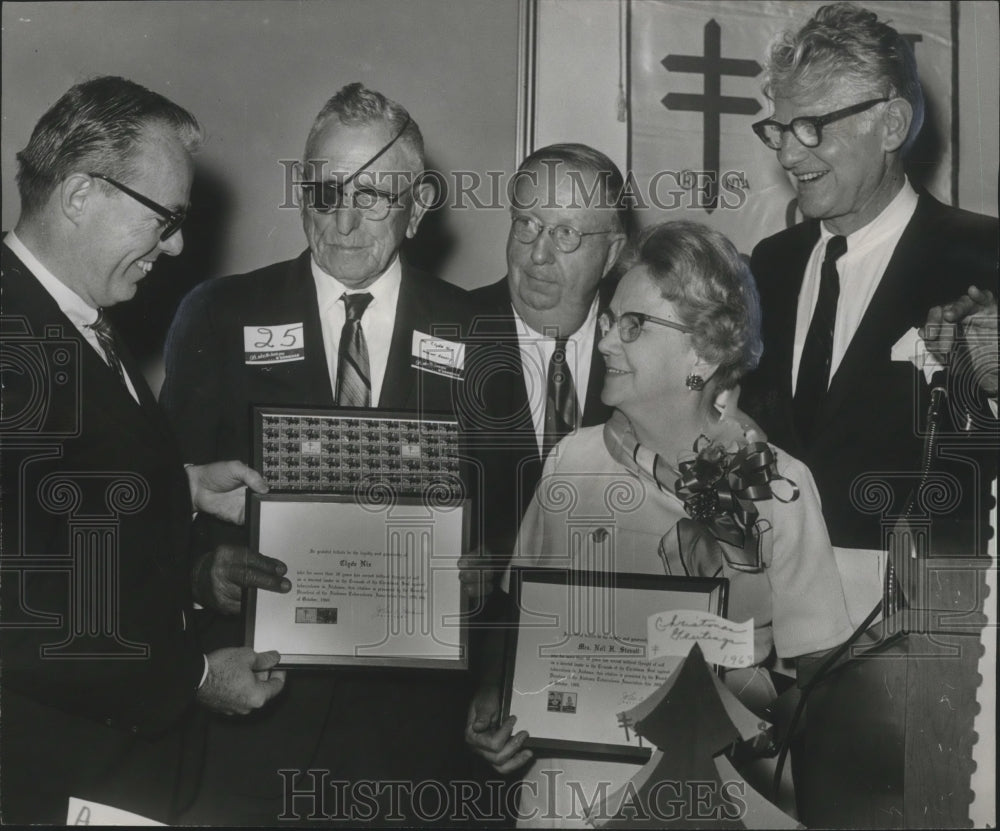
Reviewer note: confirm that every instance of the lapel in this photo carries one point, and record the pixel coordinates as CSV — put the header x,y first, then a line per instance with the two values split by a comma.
x,y
782,307
302,299
888,316
398,389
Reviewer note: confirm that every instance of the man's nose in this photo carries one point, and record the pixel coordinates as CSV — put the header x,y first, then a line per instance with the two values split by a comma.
x,y
347,218
541,248
792,151
174,244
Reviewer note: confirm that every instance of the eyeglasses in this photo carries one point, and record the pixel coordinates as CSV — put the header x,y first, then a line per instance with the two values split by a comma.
x,y
808,129
527,229
327,196
630,324
172,220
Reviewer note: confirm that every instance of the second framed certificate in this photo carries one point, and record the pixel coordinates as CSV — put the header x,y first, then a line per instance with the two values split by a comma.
x,y
577,657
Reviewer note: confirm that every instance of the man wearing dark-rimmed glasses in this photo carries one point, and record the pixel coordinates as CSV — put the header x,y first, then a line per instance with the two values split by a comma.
x,y
336,326
101,661
842,384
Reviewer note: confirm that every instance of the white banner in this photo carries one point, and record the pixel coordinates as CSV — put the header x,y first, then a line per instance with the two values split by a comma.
x,y
695,89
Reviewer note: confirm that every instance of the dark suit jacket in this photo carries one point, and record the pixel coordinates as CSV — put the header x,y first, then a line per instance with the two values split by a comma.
x,y
378,724
871,426
495,392
96,521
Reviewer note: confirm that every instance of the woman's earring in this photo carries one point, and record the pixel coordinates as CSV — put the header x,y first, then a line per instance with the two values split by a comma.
x,y
695,382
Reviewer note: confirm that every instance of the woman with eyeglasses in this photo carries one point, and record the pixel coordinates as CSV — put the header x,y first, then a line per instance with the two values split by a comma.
x,y
705,494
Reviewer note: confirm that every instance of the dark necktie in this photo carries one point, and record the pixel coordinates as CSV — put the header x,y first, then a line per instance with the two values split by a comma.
x,y
354,386
106,338
560,399
817,353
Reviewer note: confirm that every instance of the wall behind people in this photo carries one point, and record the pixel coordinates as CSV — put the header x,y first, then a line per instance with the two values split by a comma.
x,y
255,74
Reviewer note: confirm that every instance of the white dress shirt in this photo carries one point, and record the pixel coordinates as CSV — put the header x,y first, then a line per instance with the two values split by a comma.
x,y
536,352
80,313
377,322
869,250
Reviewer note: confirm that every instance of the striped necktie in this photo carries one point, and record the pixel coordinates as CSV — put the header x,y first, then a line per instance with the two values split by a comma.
x,y
106,338
560,399
354,386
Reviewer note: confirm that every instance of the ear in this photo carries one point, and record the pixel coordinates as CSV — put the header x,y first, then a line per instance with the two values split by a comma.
x,y
614,249
896,124
74,194
422,197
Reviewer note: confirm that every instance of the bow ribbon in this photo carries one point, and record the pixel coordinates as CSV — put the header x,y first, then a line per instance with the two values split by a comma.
x,y
719,489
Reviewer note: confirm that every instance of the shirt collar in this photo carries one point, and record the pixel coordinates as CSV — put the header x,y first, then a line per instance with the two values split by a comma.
x,y
892,220
329,289
580,335
70,303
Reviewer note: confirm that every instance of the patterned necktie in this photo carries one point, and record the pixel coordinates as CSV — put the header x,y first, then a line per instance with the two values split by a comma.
x,y
106,338
354,386
817,353
560,399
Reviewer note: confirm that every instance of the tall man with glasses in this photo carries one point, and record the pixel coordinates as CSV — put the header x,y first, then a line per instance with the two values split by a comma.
x,y
846,293
540,374
100,662
333,327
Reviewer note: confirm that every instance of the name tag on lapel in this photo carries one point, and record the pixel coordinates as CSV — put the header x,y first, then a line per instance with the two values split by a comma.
x,y
442,357
273,344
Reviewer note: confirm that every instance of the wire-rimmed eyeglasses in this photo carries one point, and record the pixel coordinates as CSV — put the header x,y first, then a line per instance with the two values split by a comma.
x,y
527,229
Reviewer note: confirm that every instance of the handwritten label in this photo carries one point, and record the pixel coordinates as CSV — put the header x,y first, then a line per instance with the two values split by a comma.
x,y
442,357
273,344
723,642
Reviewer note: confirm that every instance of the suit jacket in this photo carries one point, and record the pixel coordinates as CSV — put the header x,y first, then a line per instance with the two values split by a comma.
x,y
866,454
505,439
98,668
208,394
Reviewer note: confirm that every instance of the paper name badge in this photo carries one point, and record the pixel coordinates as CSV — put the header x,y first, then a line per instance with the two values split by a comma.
x,y
443,357
273,344
722,642
87,812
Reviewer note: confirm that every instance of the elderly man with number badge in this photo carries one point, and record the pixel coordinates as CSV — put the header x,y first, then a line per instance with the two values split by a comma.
x,y
336,326
842,384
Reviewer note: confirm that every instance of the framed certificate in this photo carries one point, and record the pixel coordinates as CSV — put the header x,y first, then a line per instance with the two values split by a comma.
x,y
368,510
577,657
373,583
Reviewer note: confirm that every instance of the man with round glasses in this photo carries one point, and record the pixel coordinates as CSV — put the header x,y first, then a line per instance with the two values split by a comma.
x,y
541,375
336,326
842,385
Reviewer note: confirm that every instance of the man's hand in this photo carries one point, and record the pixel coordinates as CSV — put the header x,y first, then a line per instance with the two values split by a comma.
x,y
974,315
477,573
240,680
219,489
219,577
494,743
